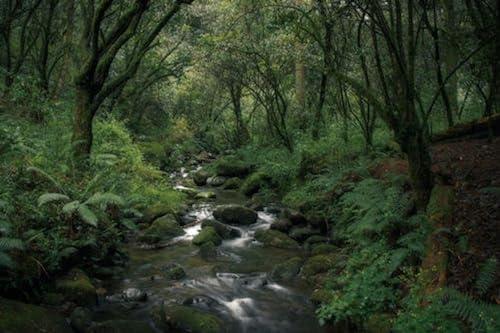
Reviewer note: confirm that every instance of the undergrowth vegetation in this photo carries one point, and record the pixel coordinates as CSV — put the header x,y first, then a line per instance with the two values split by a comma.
x,y
53,216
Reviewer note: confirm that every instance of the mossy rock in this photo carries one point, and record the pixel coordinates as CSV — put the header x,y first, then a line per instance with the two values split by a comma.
x,y
379,323
231,167
17,317
224,231
162,229
235,214
205,195
206,235
254,183
76,287
316,239
233,183
321,296
287,270
323,249
282,224
52,298
273,238
122,326
155,211
317,264
301,234
81,319
190,319
200,178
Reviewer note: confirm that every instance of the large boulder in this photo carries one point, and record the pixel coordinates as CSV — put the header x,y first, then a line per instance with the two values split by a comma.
x,y
323,248
224,231
235,214
207,235
200,177
76,287
231,167
273,238
232,183
300,234
162,229
282,224
17,317
287,270
81,319
181,318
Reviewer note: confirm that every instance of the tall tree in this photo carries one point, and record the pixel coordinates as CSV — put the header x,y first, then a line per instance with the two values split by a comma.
x,y
100,46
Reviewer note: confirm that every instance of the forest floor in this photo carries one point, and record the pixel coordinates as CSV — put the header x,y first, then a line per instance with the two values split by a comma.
x,y
472,166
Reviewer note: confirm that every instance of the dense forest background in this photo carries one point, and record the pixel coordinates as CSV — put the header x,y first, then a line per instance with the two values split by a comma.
x,y
363,115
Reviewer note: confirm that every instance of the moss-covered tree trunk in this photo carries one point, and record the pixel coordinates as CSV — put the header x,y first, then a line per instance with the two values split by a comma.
x,y
82,125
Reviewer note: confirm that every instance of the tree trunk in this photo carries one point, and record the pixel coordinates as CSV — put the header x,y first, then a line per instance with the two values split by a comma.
x,y
82,126
450,56
416,147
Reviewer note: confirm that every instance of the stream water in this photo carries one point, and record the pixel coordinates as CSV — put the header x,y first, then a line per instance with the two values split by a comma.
x,y
236,285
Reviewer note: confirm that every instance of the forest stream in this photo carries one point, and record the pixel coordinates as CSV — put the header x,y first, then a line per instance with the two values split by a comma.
x,y
236,285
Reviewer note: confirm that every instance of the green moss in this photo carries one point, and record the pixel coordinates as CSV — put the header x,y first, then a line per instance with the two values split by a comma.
x,y
208,251
320,296
232,183
76,287
162,229
231,167
287,270
206,235
275,238
318,264
440,207
323,249
17,317
200,177
235,214
254,183
190,319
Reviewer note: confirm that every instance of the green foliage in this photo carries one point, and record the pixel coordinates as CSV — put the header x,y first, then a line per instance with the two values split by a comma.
x,y
450,310
382,240
486,276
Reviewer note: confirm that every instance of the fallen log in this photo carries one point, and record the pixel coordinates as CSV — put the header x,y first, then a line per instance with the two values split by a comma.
x,y
476,129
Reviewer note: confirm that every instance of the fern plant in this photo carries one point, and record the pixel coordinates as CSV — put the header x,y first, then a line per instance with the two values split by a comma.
x,y
7,242
83,209
449,310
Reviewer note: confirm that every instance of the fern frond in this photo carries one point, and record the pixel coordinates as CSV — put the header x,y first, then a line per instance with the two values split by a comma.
x,y
105,199
46,176
51,197
486,276
87,215
71,207
481,317
7,243
6,260
129,224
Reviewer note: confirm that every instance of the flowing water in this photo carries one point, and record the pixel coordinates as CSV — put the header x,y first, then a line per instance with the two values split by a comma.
x,y
236,285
